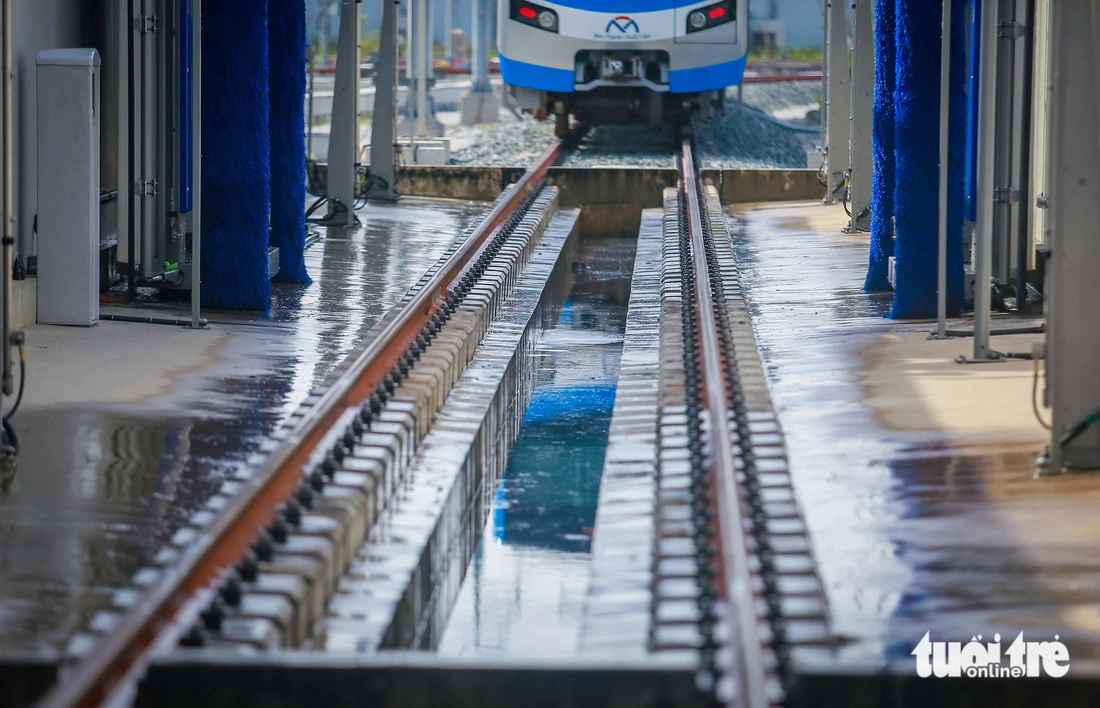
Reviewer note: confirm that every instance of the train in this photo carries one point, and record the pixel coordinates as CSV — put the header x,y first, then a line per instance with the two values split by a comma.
x,y
620,60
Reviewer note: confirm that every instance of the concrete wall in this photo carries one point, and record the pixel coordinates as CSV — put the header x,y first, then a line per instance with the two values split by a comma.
x,y
612,198
38,25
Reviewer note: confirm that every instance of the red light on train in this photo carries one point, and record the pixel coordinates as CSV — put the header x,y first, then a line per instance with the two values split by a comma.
x,y
528,12
716,12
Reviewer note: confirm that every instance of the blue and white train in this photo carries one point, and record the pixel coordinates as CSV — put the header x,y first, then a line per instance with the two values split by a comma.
x,y
617,59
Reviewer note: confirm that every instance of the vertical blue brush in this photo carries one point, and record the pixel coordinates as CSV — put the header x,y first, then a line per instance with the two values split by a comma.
x,y
236,148
916,149
286,25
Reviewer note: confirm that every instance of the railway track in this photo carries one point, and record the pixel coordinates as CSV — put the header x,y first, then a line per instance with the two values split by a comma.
x,y
759,595
320,526
316,468
733,645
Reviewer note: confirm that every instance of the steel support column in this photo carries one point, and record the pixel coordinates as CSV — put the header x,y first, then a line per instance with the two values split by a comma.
x,y
344,137
383,123
196,165
838,97
423,57
863,91
1073,336
480,53
986,192
945,113
8,130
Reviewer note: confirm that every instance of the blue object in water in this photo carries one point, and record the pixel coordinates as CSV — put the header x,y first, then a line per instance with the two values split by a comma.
x,y
236,148
916,145
882,150
563,401
286,25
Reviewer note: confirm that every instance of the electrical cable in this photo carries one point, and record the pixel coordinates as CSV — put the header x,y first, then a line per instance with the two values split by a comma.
x,y
9,431
844,196
1034,397
1079,428
315,206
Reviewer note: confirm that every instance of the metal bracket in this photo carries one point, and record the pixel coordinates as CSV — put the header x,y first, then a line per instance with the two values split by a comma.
x,y
146,23
1011,30
145,188
1006,195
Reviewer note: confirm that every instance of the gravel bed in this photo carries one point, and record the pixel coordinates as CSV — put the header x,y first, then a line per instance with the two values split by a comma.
x,y
777,97
740,139
732,140
631,144
514,142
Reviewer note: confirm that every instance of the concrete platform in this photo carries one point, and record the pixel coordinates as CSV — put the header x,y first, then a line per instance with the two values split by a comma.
x,y
127,428
915,474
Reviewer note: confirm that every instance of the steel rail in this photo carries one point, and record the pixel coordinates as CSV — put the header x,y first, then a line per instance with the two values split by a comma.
x,y
735,575
124,650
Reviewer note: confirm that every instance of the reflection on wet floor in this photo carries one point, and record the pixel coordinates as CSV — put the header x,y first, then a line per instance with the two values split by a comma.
x,y
524,590
95,492
914,530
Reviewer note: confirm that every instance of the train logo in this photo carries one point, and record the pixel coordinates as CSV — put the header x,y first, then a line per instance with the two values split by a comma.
x,y
622,27
622,23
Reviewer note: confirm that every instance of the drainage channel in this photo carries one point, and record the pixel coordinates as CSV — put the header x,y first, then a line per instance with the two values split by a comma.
x,y
524,591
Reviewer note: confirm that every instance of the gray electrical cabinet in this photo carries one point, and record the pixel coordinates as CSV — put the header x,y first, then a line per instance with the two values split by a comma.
x,y
68,186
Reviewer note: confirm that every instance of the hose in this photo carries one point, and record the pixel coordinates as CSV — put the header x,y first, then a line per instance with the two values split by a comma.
x,y
9,431
1034,397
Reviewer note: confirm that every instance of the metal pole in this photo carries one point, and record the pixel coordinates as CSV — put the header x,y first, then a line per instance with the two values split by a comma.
x,y
385,104
448,27
421,67
945,110
323,26
1005,142
1073,339
126,233
9,205
863,89
410,56
1024,208
480,59
343,150
838,98
309,118
987,128
196,166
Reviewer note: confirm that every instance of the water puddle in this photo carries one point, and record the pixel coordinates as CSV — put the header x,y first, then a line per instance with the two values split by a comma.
x,y
523,594
97,489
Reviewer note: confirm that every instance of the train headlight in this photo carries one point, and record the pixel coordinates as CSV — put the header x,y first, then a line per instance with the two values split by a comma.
x,y
536,16
704,18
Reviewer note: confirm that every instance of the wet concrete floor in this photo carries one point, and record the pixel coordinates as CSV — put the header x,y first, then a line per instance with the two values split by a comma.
x,y
103,478
915,474
523,594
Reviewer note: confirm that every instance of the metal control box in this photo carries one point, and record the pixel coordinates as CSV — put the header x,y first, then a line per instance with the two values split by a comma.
x,y
68,186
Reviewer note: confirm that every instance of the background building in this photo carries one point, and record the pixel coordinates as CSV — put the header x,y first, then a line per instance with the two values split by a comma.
x,y
778,26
